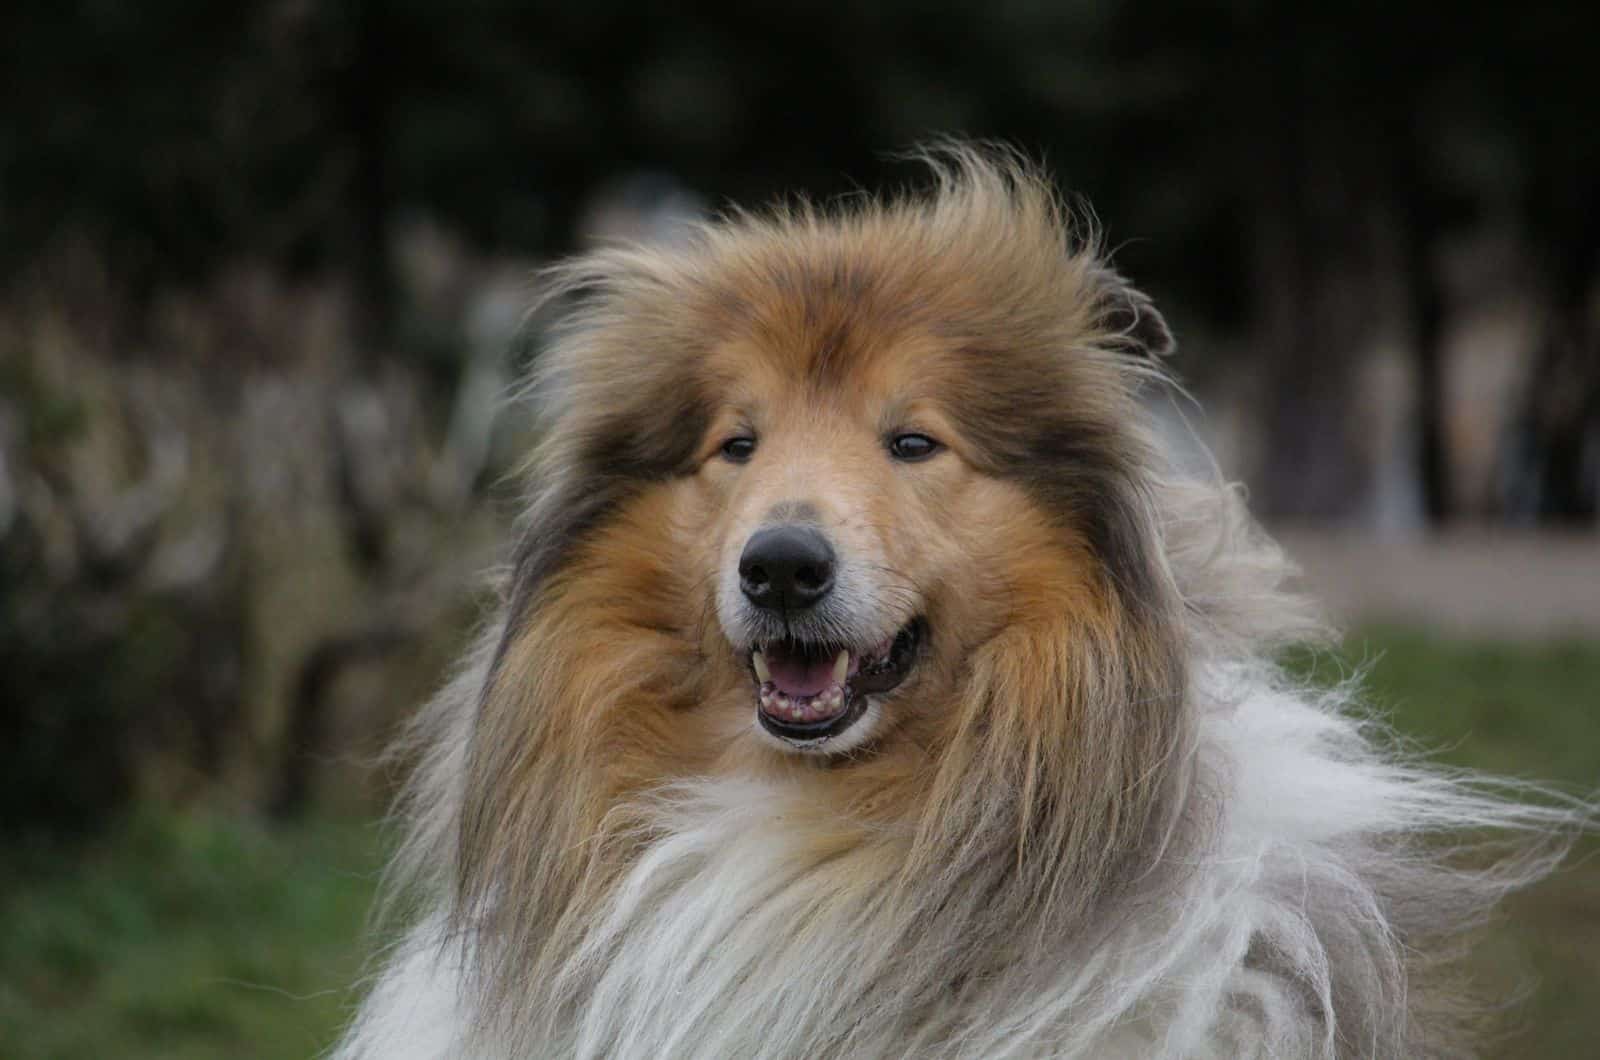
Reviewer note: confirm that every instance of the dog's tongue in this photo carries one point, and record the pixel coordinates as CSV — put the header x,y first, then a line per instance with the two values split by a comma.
x,y
797,673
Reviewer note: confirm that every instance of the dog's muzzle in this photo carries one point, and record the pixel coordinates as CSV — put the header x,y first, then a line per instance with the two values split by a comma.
x,y
808,691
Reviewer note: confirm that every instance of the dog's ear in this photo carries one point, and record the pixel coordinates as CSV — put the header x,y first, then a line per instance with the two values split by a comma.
x,y
1132,323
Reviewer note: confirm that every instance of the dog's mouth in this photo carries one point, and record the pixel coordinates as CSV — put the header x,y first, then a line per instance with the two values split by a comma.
x,y
811,691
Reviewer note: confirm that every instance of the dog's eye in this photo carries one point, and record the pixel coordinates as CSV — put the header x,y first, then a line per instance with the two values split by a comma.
x,y
913,447
738,449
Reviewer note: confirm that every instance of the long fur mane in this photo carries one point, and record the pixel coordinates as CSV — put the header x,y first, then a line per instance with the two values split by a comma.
x,y
1135,837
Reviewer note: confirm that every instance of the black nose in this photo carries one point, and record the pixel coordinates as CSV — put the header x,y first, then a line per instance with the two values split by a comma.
x,y
786,568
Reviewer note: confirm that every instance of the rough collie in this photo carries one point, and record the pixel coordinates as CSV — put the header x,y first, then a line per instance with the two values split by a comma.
x,y
866,686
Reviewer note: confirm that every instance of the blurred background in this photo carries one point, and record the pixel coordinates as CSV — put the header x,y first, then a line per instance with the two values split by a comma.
x,y
263,273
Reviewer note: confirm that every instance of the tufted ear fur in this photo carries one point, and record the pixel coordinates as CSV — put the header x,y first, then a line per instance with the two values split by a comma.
x,y
1133,324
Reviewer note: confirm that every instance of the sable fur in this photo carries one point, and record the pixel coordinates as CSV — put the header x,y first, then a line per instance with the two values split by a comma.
x,y
1098,821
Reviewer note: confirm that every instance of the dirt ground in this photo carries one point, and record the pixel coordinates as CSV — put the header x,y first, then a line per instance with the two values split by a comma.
x,y
1479,583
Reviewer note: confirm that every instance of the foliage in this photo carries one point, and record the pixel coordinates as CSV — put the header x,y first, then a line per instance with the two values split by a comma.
x,y
184,132
185,937
75,698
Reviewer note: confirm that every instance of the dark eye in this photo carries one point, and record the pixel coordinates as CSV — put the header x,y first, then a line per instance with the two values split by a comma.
x,y
738,449
911,447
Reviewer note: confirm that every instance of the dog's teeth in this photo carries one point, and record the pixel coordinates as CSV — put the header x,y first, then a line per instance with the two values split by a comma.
x,y
759,661
841,667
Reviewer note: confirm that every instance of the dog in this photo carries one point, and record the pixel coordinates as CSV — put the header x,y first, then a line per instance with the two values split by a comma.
x,y
865,684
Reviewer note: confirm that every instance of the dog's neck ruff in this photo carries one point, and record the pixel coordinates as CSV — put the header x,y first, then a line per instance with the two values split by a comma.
x,y
734,933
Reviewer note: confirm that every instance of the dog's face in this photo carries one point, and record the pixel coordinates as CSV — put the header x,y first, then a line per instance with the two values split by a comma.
x,y
852,544
806,478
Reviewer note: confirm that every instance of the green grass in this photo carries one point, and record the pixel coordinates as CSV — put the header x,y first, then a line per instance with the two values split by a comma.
x,y
201,936
1526,710
1530,711
182,937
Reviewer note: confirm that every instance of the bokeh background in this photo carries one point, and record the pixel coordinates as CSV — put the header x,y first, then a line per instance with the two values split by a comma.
x,y
263,272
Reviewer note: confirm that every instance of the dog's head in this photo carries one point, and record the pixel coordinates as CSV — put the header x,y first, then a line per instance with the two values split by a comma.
x,y
875,490
872,468
848,511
